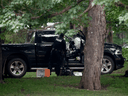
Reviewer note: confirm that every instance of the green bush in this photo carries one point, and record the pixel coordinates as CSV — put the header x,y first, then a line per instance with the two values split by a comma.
x,y
125,53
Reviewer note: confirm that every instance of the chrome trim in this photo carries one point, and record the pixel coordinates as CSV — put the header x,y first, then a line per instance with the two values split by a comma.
x,y
60,68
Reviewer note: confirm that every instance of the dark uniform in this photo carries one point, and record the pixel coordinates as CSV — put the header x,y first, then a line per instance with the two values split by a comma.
x,y
57,54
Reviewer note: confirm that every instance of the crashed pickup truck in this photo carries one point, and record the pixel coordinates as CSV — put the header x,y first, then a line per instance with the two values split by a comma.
x,y
21,58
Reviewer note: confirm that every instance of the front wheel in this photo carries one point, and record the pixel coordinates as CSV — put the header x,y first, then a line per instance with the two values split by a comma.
x,y
16,68
107,65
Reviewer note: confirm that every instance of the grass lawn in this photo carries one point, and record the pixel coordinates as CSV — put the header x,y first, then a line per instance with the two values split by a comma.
x,y
112,85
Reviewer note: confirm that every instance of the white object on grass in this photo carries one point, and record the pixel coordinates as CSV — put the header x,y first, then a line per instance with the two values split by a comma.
x,y
77,73
40,72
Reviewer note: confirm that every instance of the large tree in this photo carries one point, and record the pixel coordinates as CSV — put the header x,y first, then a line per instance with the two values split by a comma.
x,y
93,51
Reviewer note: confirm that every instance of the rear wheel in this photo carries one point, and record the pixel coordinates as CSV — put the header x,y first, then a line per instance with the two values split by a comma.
x,y
107,65
16,68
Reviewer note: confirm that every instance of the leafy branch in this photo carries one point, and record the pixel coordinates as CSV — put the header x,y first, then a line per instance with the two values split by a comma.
x,y
58,13
89,8
120,4
2,4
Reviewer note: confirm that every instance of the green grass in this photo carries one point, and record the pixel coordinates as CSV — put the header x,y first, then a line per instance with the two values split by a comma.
x,y
29,85
113,85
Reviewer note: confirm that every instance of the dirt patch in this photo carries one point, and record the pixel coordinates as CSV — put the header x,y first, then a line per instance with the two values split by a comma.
x,y
6,77
2,82
118,72
71,86
103,87
22,90
121,76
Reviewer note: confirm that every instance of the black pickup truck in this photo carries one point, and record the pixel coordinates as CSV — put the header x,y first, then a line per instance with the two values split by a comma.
x,y
21,58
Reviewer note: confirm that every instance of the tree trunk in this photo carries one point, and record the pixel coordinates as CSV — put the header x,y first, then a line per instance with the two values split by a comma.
x,y
121,35
1,75
109,38
29,35
71,25
94,49
85,31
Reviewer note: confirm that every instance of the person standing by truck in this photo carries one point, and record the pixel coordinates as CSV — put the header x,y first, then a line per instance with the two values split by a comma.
x,y
58,53
79,41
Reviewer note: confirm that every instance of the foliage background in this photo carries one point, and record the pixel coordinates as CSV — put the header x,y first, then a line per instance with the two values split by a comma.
x,y
17,14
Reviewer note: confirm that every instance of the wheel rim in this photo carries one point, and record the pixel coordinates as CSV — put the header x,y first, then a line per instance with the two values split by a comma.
x,y
107,65
17,68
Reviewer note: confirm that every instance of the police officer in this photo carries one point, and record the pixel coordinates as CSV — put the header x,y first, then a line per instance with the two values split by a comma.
x,y
57,54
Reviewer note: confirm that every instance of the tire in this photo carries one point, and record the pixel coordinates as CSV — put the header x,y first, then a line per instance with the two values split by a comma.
x,y
108,65
16,68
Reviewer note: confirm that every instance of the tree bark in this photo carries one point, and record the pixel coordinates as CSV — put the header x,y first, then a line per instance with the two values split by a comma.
x,y
85,31
71,25
93,52
109,37
121,35
1,75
